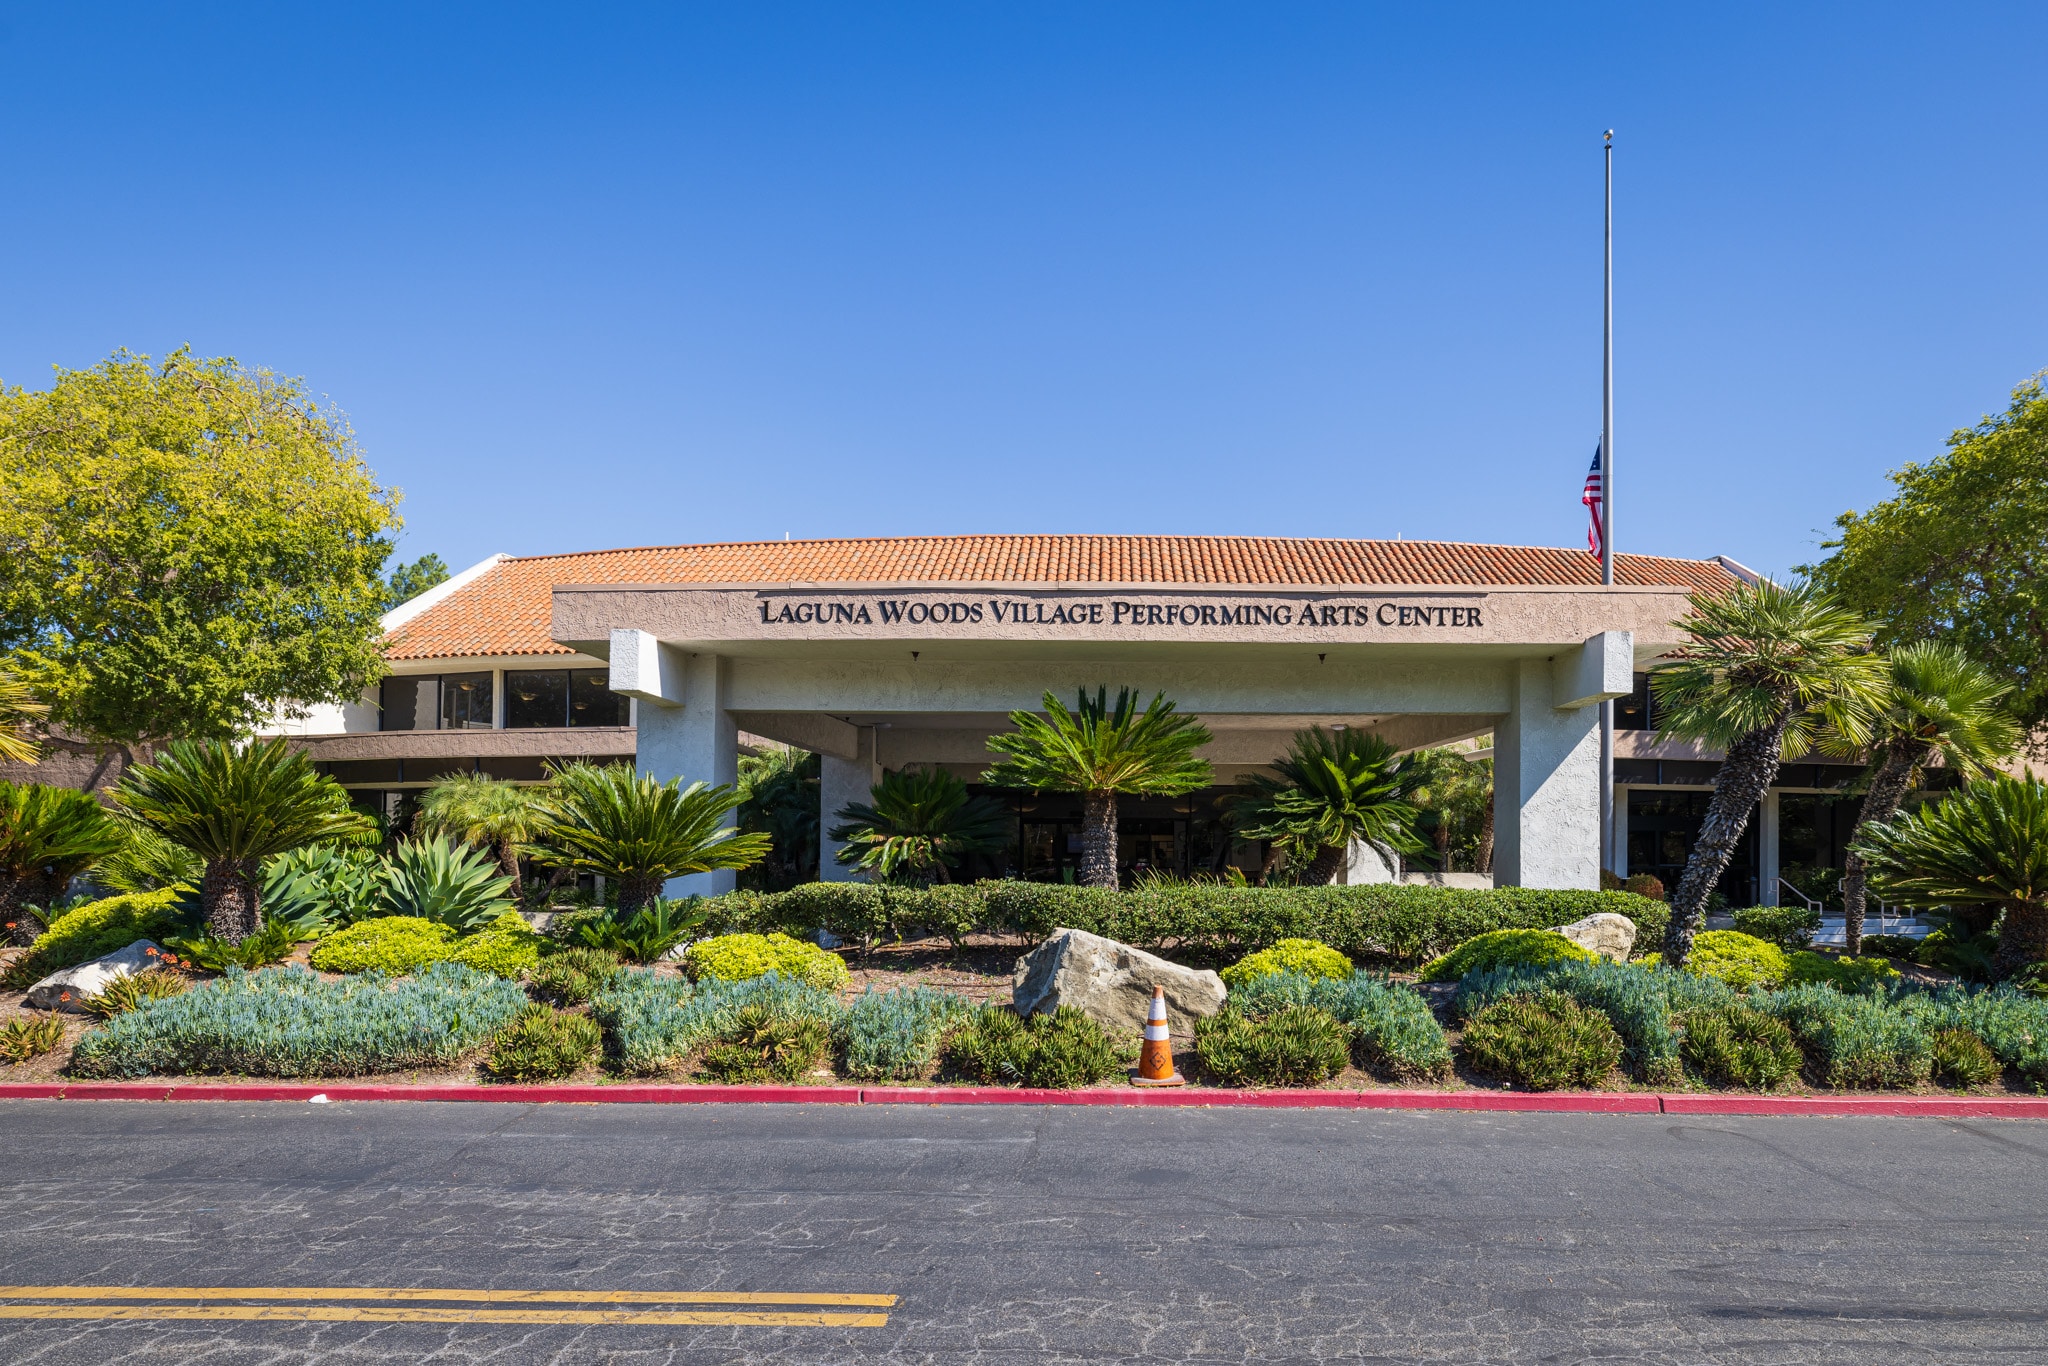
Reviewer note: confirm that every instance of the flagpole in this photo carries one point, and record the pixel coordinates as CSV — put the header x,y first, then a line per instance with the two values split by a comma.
x,y
1607,850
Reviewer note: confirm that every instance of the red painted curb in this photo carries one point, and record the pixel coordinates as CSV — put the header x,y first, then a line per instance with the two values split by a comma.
x,y
1908,1107
1195,1096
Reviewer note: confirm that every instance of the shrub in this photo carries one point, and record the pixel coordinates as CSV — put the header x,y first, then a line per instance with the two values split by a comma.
x,y
22,1040
1062,1050
389,943
1505,949
642,936
1855,1041
895,1035
1639,1001
1843,974
133,989
1961,1059
1291,1046
1392,1028
1542,1040
506,948
1304,956
763,1045
1739,1045
655,1021
273,943
1891,945
543,1045
737,957
450,884
95,930
1789,927
573,976
288,1022
1646,885
1741,960
2013,1024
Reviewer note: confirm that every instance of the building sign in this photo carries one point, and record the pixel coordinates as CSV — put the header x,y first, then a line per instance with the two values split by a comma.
x,y
1179,613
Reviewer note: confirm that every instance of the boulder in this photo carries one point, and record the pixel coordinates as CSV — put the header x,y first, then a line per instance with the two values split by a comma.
x,y
1605,933
90,979
1111,983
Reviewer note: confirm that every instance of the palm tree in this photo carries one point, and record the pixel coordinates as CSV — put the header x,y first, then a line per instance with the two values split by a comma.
x,y
918,825
235,806
1331,790
18,710
489,814
779,787
1987,843
1941,706
1456,790
639,832
48,835
1099,751
1768,668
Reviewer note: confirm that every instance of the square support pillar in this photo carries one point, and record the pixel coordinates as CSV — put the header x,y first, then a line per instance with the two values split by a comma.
x,y
1546,785
841,781
697,742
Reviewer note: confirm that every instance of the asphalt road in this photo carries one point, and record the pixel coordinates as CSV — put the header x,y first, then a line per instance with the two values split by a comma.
x,y
1018,1234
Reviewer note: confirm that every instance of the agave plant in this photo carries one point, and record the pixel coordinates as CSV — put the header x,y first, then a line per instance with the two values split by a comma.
x,y
920,823
322,886
234,807
607,820
48,835
452,884
1331,790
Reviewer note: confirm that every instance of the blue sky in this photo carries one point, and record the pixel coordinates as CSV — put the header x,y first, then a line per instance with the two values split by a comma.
x,y
587,276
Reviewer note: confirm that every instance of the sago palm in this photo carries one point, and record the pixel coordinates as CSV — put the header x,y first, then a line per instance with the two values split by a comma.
x,y
639,832
1768,668
779,791
18,711
48,835
917,825
498,816
235,806
1940,706
1985,844
1099,751
1327,792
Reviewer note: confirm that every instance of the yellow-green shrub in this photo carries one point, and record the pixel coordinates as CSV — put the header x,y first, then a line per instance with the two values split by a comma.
x,y
95,930
505,948
1741,960
1505,949
1304,957
386,943
1844,974
739,957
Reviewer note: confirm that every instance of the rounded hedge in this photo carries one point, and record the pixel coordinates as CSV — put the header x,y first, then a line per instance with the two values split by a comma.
x,y
1741,960
1505,949
1542,1040
1843,974
396,944
1739,1045
506,948
741,957
1306,957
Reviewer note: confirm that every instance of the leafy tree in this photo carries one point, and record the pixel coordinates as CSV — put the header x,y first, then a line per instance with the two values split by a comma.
x,y
1099,751
404,582
1454,793
1327,791
18,711
1960,553
183,547
779,799
1985,844
48,835
498,816
605,819
235,806
918,825
1942,706
1769,667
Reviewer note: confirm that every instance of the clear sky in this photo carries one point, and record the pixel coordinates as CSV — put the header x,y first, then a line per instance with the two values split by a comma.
x,y
587,276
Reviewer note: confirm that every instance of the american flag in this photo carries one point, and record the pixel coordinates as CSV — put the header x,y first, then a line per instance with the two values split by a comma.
x,y
1592,498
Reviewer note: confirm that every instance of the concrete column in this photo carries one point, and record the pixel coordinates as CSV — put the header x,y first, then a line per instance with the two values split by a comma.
x,y
841,781
1546,784
697,742
1767,851
1364,864
1620,831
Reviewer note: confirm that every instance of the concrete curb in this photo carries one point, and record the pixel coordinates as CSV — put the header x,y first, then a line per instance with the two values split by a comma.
x,y
1554,1102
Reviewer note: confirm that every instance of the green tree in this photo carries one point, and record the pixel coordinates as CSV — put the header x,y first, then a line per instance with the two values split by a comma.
x,y
1327,791
1099,751
917,825
184,547
1767,669
404,582
605,819
497,816
1939,706
779,799
48,835
235,806
18,711
1985,844
1960,552
1454,793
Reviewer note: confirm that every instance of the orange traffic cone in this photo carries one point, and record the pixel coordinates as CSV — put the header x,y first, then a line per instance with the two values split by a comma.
x,y
1155,1063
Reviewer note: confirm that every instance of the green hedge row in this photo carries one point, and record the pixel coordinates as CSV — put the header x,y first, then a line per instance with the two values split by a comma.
x,y
1382,922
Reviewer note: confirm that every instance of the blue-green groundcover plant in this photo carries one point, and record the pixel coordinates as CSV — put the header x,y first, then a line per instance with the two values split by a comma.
x,y
288,1022
1392,1028
895,1035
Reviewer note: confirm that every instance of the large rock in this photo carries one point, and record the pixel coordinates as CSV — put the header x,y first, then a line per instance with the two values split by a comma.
x,y
90,979
1604,932
1111,983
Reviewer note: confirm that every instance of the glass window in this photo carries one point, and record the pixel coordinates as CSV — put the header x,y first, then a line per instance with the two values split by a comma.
x,y
409,702
591,700
1662,825
465,702
537,698
1633,712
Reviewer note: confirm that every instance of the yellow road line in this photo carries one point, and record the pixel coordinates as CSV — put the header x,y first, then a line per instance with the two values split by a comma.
x,y
305,1292
370,1313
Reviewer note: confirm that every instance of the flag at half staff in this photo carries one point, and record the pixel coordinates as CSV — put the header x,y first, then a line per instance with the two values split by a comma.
x,y
1592,497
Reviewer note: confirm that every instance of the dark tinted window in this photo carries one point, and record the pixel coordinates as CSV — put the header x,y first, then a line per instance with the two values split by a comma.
x,y
537,698
465,702
1634,712
409,702
592,702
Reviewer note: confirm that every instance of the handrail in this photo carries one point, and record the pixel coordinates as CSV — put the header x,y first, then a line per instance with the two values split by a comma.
x,y
1811,904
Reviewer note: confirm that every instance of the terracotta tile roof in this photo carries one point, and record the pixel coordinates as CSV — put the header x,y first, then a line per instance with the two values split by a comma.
x,y
507,610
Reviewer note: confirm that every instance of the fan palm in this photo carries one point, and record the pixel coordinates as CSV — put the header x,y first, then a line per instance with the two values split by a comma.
x,y
485,812
1987,843
18,710
1454,792
1331,790
780,791
234,807
1768,668
1942,706
918,824
1099,751
48,835
630,828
